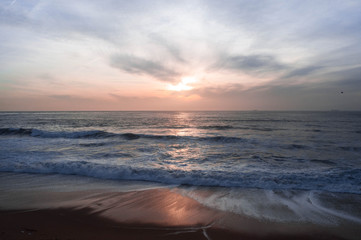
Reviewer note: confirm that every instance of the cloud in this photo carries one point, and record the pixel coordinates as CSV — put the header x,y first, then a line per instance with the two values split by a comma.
x,y
331,80
254,64
346,79
172,49
60,20
220,91
141,66
291,50
300,72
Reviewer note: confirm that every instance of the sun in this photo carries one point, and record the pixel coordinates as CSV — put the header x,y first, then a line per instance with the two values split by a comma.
x,y
183,85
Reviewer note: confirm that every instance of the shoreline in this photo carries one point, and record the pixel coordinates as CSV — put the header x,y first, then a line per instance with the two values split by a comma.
x,y
67,207
68,223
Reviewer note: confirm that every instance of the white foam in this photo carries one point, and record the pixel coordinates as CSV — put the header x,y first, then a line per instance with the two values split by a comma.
x,y
280,206
341,214
148,170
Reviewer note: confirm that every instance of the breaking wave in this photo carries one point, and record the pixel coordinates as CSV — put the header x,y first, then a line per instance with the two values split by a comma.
x,y
96,134
347,181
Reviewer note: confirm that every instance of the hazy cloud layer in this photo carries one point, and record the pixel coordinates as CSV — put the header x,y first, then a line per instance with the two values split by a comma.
x,y
253,64
300,72
135,65
259,53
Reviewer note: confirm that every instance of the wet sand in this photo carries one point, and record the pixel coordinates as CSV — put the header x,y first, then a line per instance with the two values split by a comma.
x,y
146,214
83,224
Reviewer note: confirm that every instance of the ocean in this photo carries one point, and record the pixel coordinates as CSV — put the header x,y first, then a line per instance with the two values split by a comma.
x,y
270,154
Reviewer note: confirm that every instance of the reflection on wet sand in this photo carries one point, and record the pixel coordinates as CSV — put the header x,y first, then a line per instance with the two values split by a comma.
x,y
159,206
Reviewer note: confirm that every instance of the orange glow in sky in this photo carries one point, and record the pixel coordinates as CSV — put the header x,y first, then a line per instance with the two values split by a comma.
x,y
179,55
183,85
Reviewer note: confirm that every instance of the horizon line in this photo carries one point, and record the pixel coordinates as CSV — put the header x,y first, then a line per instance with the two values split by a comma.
x,y
254,110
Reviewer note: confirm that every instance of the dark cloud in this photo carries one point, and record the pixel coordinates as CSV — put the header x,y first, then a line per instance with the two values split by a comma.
x,y
237,97
322,94
256,64
329,83
300,72
349,79
136,65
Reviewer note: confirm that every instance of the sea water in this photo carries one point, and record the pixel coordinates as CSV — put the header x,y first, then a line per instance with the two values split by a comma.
x,y
294,158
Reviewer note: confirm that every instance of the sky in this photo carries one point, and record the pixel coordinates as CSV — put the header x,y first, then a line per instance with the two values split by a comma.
x,y
180,55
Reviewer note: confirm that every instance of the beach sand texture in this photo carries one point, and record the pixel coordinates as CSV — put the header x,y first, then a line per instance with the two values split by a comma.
x,y
159,213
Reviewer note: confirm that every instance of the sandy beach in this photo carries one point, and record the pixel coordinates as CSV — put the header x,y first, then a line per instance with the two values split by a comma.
x,y
83,224
154,213
70,223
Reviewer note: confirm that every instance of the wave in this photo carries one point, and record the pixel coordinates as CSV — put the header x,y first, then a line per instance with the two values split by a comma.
x,y
96,134
32,132
216,127
350,148
347,181
15,131
228,127
296,146
281,205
